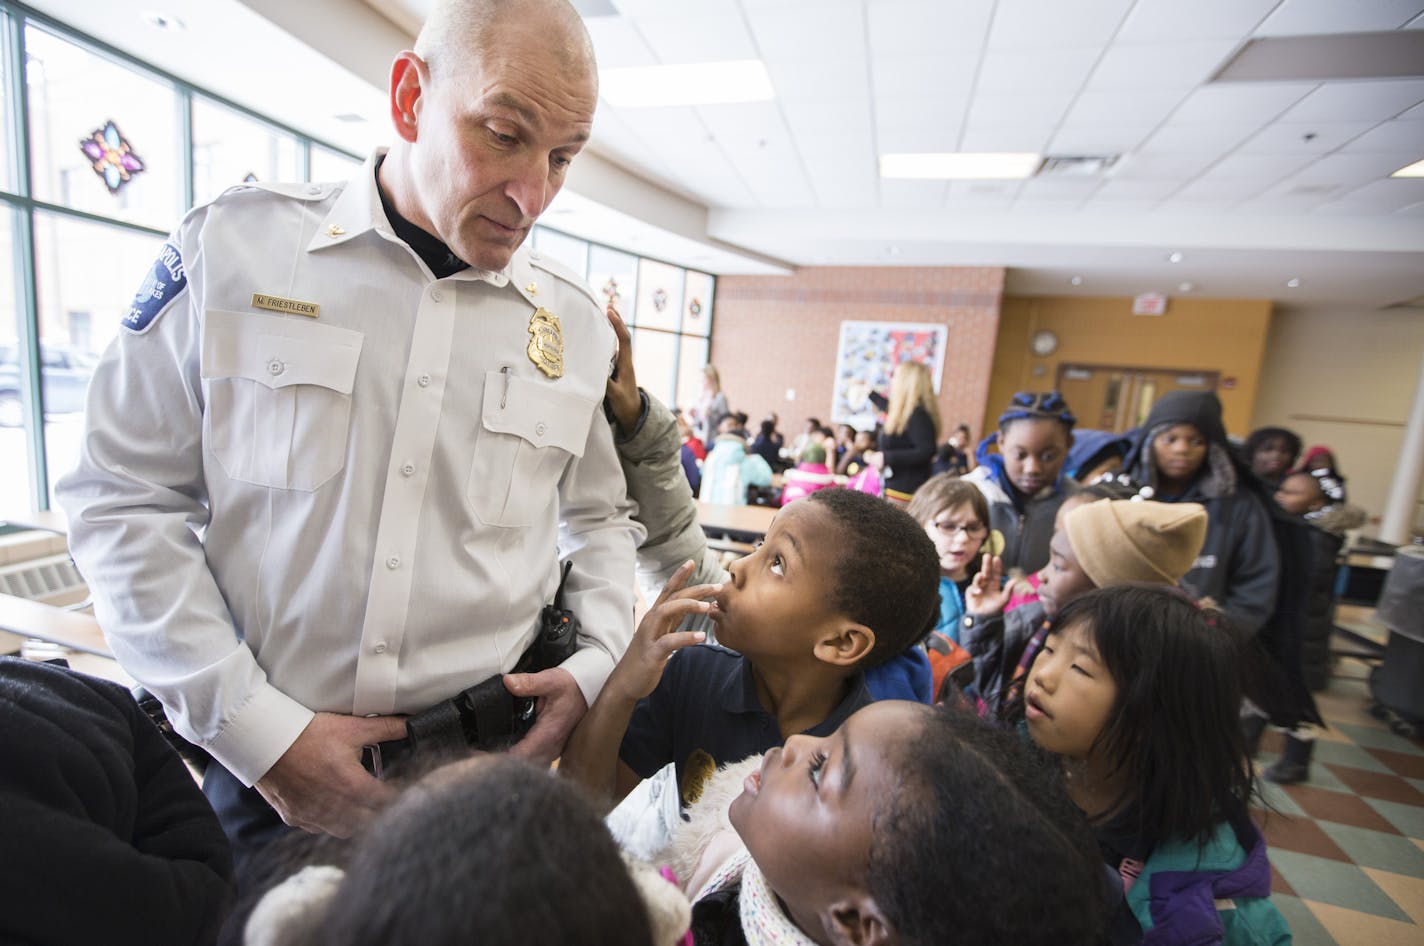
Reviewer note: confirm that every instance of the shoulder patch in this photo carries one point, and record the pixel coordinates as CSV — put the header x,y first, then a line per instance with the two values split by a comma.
x,y
164,283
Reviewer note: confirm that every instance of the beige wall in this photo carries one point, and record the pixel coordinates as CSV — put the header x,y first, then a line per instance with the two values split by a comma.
x,y
1224,335
1345,378
772,334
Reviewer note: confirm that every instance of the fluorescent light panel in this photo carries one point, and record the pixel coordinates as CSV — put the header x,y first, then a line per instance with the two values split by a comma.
x,y
960,166
701,83
1414,170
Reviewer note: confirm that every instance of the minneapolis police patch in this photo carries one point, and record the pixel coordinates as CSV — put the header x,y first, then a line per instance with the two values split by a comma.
x,y
164,283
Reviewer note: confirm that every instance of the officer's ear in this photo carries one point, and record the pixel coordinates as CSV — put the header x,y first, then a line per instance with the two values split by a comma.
x,y
409,78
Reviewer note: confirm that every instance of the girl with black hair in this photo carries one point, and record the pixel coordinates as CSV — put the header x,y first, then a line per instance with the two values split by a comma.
x,y
1271,452
1136,688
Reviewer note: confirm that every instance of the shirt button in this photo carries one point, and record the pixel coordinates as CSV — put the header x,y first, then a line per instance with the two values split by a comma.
x,y
313,189
539,428
423,381
407,469
393,562
275,367
436,295
380,647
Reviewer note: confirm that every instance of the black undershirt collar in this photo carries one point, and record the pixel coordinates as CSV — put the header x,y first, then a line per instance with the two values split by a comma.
x,y
441,260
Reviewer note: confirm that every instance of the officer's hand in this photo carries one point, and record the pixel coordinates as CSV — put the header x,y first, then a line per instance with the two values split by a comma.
x,y
318,784
622,390
658,637
560,706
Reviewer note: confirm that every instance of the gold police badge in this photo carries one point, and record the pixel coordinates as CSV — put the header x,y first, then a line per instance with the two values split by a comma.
x,y
546,343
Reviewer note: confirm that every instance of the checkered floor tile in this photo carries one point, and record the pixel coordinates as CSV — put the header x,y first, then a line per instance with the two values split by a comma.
x,y
1347,846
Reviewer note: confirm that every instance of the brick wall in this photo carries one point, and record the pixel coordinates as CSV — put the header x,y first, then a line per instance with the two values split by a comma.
x,y
774,333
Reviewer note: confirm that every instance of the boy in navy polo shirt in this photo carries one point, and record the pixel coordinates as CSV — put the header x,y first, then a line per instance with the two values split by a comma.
x,y
843,582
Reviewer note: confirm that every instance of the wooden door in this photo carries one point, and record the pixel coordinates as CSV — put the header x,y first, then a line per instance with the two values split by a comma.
x,y
1119,397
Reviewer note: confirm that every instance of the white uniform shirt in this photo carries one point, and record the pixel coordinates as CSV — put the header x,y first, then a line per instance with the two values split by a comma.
x,y
360,512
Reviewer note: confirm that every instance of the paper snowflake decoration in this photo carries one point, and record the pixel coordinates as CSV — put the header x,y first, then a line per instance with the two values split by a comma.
x,y
111,155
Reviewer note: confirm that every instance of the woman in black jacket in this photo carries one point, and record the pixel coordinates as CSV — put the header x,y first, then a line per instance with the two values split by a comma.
x,y
907,442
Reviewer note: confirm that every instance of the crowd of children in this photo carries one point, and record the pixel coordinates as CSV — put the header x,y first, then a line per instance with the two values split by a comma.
x,y
1019,710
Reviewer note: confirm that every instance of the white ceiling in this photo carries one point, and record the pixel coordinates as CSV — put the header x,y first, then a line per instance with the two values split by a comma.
x,y
1253,183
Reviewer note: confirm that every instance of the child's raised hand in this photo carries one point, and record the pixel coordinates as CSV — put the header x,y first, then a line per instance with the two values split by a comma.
x,y
987,593
658,638
622,388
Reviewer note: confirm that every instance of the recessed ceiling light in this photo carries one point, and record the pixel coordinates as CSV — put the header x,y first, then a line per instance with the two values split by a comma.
x,y
1076,281
1293,282
1175,258
163,21
702,83
1414,170
1185,287
960,166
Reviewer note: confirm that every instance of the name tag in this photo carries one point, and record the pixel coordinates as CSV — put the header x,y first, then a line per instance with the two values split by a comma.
x,y
291,306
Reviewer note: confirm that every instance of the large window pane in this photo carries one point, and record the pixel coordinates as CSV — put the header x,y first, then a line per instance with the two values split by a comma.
x,y
75,95
691,359
571,251
654,361
697,304
328,165
229,148
659,295
86,276
14,448
614,277
7,160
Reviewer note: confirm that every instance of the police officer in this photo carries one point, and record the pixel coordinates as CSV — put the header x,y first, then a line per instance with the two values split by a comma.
x,y
347,431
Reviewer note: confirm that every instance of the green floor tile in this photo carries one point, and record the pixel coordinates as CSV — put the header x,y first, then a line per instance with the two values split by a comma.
x,y
1277,801
1341,885
1378,738
1375,849
1305,928
1343,754
1407,818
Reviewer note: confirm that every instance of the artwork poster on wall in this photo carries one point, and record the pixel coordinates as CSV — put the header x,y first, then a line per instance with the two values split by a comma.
x,y
866,360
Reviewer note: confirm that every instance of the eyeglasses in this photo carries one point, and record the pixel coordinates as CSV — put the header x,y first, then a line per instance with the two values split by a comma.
x,y
973,531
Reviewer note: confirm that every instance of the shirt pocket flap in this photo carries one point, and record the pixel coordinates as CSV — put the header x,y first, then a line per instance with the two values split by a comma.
x,y
278,352
536,412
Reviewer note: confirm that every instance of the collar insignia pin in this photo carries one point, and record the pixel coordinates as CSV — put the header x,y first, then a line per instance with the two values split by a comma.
x,y
335,230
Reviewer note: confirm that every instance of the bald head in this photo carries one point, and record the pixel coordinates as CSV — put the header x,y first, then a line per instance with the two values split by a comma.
x,y
458,32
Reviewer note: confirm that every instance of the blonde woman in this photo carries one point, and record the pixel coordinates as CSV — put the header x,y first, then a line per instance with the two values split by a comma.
x,y
711,406
912,424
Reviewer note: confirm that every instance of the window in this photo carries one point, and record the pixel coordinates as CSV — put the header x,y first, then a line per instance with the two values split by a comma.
x,y
76,95
85,276
655,362
328,165
229,148
571,251
659,296
15,481
613,275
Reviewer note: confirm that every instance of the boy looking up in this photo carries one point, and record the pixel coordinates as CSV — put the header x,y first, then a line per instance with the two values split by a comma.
x,y
843,582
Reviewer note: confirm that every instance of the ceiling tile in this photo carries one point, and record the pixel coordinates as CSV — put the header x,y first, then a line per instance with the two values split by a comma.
x,y
917,139
823,118
1179,65
618,44
1413,210
651,8
700,38
842,172
750,127
1347,170
927,26
922,75
829,81
1309,17
1262,168
1049,205
1032,24
1118,189
988,137
1058,189
1314,138
1357,101
1258,102
1415,114
1018,109
1103,140
938,112
1209,188
1019,71
983,193
1119,108
911,195
678,123
1386,195
1160,167
781,32
1173,20
1175,138
1390,136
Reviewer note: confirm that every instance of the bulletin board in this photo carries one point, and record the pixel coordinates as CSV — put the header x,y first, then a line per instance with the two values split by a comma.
x,y
866,358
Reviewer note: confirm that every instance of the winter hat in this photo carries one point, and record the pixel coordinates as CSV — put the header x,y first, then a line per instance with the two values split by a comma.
x,y
1201,409
1131,540
814,453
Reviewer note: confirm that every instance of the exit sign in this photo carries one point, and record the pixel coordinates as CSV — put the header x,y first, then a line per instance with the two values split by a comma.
x,y
1150,303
